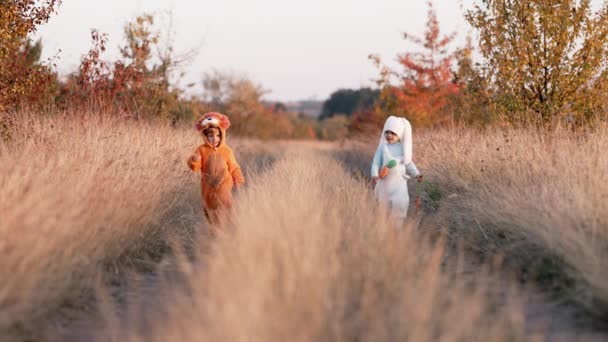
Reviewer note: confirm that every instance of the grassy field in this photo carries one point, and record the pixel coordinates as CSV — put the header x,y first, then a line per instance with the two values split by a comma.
x,y
87,201
309,257
537,197
76,195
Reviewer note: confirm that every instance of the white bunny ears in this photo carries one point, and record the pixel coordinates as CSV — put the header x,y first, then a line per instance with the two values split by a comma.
x,y
403,129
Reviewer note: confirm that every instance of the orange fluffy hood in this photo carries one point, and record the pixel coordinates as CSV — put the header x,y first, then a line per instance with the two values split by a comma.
x,y
214,119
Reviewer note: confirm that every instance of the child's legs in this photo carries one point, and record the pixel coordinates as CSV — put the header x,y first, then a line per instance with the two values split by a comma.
x,y
209,214
382,198
398,201
217,205
217,217
393,197
398,209
217,197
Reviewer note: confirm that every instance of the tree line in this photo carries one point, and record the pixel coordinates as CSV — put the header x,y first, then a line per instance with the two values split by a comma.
x,y
534,62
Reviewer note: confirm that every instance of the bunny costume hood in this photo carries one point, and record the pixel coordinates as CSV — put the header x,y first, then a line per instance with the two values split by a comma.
x,y
403,129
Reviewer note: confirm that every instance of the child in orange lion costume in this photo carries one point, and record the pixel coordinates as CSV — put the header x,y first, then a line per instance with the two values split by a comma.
x,y
219,168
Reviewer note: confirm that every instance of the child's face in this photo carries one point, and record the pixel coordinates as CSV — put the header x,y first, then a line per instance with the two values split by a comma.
x,y
391,137
213,136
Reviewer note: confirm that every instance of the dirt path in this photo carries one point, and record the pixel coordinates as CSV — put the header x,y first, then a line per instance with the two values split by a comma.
x,y
144,295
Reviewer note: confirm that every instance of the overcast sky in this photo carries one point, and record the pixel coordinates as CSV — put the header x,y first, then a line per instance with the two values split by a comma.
x,y
296,49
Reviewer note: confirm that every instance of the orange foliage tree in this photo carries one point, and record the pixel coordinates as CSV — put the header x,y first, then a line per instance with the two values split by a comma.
x,y
242,100
139,84
18,76
424,88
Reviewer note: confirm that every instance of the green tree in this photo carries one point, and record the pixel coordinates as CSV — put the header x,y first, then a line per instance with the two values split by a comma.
x,y
543,57
349,101
474,105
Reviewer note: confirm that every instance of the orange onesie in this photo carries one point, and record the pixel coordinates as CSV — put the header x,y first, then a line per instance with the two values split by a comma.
x,y
219,168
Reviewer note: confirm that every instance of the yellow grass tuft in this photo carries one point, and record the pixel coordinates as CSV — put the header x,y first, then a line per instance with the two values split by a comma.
x,y
77,193
310,257
547,191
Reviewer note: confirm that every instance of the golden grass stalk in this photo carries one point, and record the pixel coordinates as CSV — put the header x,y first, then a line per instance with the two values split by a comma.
x,y
77,192
547,190
310,257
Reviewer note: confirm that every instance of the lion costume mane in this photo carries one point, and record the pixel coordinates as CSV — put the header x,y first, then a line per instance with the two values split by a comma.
x,y
218,166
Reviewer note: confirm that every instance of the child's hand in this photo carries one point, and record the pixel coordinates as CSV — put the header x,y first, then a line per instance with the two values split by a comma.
x,y
374,181
194,162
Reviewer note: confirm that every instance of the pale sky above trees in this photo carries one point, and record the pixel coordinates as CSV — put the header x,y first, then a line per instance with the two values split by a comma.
x,y
296,49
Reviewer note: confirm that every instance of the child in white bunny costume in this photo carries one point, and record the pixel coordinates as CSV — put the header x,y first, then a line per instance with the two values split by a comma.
x,y
393,165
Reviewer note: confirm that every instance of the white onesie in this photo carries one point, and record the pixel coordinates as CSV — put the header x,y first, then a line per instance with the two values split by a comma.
x,y
391,191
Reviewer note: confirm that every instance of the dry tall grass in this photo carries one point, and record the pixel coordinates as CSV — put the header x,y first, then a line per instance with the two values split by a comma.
x,y
78,192
310,257
532,195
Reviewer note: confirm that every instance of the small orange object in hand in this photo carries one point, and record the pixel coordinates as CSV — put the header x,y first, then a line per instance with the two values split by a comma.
x,y
383,172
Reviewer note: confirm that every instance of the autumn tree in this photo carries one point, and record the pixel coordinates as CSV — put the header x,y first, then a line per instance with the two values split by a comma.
x,y
233,93
18,20
156,64
140,37
544,58
423,88
141,83
474,104
241,98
